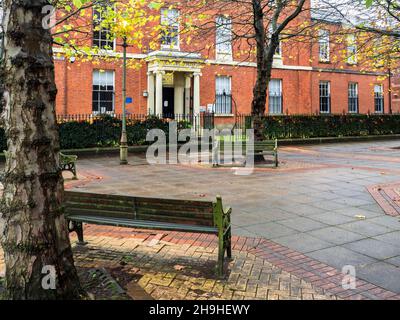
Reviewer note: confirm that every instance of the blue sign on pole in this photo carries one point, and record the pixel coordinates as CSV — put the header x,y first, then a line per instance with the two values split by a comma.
x,y
128,100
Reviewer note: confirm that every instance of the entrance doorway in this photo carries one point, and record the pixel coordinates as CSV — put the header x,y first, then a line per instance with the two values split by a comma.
x,y
168,102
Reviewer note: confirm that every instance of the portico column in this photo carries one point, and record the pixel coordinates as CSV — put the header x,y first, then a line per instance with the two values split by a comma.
x,y
159,95
150,92
188,83
196,93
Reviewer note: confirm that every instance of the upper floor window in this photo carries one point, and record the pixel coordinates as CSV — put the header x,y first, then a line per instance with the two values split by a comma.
x,y
275,96
353,97
102,38
103,91
351,49
223,95
323,43
324,97
378,98
170,29
223,42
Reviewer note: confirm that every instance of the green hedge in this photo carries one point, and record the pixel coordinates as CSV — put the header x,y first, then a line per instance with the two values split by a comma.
x,y
104,131
312,126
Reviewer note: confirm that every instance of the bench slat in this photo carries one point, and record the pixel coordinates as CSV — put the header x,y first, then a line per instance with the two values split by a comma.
x,y
174,202
186,220
173,212
141,224
175,208
95,196
71,211
97,206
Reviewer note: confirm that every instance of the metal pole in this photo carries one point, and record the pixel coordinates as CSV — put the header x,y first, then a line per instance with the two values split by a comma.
x,y
124,141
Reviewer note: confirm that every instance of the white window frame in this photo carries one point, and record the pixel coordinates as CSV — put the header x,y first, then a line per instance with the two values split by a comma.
x,y
223,51
324,45
351,49
166,22
275,97
219,93
379,96
353,97
113,47
327,96
107,83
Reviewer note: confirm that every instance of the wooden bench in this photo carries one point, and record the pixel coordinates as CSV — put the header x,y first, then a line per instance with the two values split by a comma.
x,y
151,213
262,148
259,148
68,163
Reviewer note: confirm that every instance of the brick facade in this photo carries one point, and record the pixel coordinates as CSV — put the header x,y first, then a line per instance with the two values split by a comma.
x,y
298,69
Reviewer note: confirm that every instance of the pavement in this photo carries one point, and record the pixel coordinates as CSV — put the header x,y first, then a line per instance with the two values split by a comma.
x,y
317,203
295,228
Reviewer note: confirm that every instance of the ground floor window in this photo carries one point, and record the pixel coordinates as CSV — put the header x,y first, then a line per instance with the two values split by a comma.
x,y
353,97
223,95
378,95
275,96
324,96
103,91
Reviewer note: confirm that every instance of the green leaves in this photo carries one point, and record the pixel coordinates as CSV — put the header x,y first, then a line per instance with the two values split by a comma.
x,y
79,3
368,3
155,5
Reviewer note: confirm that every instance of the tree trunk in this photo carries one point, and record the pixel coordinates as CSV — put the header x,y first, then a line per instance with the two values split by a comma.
x,y
265,58
33,230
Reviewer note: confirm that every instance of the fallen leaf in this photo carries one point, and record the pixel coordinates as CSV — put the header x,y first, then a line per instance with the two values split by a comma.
x,y
179,267
360,216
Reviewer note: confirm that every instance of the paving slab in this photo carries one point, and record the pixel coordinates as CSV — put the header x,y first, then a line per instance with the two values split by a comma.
x,y
336,235
374,248
384,273
366,228
303,242
339,257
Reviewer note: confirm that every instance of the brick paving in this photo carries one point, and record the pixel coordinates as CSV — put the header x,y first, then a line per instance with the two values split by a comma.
x,y
170,270
388,197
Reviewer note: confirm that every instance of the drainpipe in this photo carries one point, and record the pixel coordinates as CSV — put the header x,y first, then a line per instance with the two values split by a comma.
x,y
65,111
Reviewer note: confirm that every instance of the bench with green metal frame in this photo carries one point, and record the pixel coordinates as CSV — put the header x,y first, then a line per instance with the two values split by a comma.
x,y
258,148
262,148
68,163
151,213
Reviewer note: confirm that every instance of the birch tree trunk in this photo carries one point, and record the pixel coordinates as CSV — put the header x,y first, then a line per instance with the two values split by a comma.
x,y
33,230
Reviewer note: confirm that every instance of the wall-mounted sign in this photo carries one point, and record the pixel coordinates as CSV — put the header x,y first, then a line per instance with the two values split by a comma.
x,y
128,100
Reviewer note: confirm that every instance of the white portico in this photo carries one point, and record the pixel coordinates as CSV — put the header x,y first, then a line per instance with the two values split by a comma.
x,y
173,83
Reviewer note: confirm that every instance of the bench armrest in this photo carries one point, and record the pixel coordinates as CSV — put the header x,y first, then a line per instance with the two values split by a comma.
x,y
228,211
68,158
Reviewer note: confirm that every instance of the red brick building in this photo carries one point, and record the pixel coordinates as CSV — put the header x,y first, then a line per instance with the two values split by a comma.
x,y
177,79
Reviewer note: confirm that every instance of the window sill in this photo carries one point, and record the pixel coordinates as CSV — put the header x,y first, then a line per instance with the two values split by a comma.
x,y
223,58
170,48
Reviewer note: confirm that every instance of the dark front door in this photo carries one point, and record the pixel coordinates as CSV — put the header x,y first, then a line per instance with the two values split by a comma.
x,y
168,103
